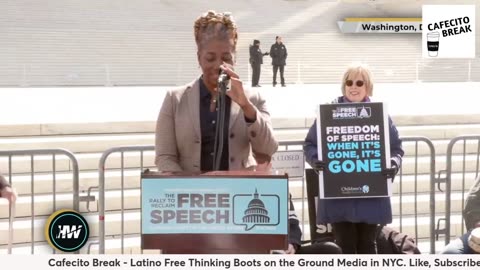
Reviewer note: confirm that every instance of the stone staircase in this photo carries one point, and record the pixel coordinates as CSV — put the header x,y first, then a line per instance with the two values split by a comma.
x,y
151,43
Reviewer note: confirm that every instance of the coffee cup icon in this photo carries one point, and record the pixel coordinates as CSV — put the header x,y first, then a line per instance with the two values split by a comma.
x,y
433,43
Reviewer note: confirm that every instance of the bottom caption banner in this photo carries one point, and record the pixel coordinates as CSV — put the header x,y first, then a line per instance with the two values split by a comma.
x,y
201,262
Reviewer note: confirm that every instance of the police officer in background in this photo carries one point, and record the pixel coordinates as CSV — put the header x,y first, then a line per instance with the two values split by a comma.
x,y
279,54
256,61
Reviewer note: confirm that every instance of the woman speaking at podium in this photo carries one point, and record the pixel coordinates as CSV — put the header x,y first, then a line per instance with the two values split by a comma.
x,y
188,133
214,123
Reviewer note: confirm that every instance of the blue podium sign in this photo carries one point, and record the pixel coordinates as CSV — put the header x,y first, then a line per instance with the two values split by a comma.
x,y
214,205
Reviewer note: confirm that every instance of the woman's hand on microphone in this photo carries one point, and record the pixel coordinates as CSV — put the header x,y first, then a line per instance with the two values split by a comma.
x,y
237,93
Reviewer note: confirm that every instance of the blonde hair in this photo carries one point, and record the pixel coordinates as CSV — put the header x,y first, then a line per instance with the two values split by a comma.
x,y
213,25
362,69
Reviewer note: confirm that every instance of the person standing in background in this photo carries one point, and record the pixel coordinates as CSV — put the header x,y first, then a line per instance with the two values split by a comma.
x,y
256,61
279,54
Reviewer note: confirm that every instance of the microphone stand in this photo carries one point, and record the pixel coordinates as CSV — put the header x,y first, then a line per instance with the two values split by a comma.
x,y
223,86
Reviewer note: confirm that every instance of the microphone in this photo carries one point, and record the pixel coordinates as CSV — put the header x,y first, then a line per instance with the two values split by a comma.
x,y
223,77
223,86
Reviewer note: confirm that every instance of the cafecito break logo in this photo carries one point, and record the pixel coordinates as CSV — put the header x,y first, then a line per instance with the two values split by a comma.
x,y
448,31
66,230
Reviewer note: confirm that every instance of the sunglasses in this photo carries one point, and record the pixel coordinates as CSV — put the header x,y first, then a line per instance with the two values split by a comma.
x,y
358,83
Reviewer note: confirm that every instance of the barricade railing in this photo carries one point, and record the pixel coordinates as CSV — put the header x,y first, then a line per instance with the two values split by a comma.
x,y
418,167
10,157
286,145
101,199
298,146
470,146
415,155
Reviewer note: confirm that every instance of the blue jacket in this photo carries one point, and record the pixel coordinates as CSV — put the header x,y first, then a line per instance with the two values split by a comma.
x,y
366,210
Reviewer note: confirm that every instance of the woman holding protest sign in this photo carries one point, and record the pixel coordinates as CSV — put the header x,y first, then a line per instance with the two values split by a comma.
x,y
355,220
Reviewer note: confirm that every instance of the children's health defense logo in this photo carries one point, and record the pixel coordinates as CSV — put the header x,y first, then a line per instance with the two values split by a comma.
x,y
255,209
66,230
448,31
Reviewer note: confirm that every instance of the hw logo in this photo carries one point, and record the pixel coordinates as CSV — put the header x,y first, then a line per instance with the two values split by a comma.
x,y
66,230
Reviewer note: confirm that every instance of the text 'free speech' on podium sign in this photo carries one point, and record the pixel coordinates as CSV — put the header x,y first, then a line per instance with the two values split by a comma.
x,y
219,213
353,140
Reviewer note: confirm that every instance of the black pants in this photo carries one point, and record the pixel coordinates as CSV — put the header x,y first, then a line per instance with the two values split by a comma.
x,y
275,69
356,238
320,248
256,68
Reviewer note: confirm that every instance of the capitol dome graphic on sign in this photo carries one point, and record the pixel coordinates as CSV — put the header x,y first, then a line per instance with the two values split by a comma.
x,y
364,113
256,211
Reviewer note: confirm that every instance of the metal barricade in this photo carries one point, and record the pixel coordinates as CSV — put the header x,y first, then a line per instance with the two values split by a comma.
x,y
411,145
414,153
416,177
297,145
101,199
27,167
286,145
468,155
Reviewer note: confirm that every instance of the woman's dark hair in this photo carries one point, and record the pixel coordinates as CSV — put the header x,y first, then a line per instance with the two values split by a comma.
x,y
212,25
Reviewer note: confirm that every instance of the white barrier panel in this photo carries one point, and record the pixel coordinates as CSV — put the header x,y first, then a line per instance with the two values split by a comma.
x,y
289,162
204,262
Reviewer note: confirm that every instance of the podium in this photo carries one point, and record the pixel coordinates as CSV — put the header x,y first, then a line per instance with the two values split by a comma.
x,y
236,212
